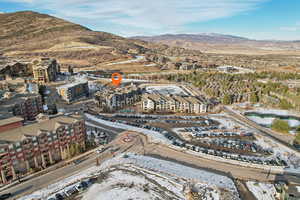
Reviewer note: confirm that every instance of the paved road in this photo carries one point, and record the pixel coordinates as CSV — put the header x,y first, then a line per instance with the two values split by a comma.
x,y
141,145
49,178
262,130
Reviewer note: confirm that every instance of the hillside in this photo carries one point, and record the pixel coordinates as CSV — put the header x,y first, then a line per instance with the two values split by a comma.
x,y
219,43
31,34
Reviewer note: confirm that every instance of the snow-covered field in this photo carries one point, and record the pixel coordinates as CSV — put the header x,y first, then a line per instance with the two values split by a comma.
x,y
125,182
262,191
267,121
166,89
142,177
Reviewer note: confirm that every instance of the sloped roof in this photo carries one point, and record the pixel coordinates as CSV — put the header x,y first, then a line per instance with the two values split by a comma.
x,y
17,134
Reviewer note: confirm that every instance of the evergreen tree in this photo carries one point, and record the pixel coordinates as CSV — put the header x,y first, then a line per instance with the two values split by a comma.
x,y
227,99
253,98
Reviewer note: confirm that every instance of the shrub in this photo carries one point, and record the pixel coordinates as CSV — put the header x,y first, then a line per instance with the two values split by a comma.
x,y
281,126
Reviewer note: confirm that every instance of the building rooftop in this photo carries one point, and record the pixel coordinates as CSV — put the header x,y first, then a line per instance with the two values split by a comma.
x,y
17,134
69,85
10,120
8,103
43,63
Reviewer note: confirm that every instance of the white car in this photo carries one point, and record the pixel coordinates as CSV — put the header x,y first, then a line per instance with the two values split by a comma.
x,y
101,150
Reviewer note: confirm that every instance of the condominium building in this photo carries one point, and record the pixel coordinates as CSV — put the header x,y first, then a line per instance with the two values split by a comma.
x,y
37,146
173,103
118,98
45,70
25,105
73,91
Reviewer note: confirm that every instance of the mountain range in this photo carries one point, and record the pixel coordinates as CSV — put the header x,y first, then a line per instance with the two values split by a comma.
x,y
221,43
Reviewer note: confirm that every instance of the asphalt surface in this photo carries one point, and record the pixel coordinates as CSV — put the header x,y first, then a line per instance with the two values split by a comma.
x,y
140,144
262,130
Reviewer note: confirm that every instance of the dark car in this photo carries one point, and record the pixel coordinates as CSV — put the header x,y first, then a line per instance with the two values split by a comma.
x,y
59,196
5,196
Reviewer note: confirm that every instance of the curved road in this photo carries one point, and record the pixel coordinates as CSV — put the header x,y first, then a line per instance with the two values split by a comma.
x,y
140,144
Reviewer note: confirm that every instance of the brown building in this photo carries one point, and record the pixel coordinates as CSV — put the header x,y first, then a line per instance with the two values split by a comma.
x,y
45,70
10,123
114,99
173,103
10,67
37,146
25,105
73,91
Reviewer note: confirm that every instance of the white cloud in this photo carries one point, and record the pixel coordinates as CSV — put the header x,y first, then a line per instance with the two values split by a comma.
x,y
295,27
150,16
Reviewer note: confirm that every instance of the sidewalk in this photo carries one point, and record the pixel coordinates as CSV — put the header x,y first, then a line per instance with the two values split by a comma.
x,y
47,170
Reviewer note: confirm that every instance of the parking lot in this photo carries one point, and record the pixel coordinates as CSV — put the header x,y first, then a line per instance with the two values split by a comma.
x,y
208,137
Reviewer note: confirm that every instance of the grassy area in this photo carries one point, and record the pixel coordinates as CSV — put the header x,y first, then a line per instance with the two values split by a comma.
x,y
281,126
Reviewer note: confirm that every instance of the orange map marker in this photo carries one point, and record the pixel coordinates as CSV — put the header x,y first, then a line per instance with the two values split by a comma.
x,y
116,79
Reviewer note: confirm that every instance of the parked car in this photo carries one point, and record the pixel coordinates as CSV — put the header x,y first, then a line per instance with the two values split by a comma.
x,y
100,150
59,196
5,196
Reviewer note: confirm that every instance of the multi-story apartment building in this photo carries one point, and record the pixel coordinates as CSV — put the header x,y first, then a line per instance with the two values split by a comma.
x,y
39,145
45,70
173,103
25,105
118,98
73,91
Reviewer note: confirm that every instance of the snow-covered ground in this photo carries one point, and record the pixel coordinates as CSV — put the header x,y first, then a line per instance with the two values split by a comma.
x,y
130,182
182,171
166,89
129,176
267,121
224,121
291,157
137,59
155,136
262,191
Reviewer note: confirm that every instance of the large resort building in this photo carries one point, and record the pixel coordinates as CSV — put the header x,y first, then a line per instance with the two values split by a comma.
x,y
111,100
37,146
45,70
173,103
24,105
72,91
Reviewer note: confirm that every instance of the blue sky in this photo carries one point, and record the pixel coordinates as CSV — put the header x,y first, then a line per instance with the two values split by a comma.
x,y
256,19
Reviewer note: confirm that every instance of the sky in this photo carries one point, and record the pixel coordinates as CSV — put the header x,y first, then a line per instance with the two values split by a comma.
x,y
255,19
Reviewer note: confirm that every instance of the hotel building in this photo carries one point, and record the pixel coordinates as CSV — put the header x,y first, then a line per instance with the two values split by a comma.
x,y
37,146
